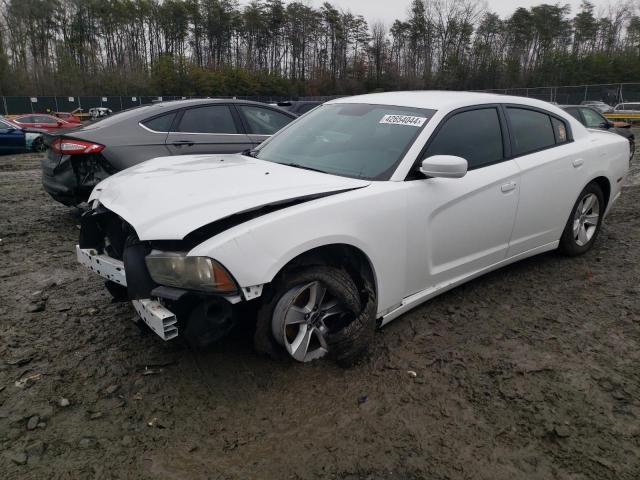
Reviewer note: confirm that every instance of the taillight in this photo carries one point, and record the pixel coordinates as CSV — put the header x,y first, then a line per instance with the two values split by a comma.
x,y
68,146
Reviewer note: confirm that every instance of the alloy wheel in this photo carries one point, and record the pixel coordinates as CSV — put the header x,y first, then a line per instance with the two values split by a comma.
x,y
302,319
585,219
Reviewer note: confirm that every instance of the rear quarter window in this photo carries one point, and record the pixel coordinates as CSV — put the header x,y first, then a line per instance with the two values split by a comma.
x,y
160,124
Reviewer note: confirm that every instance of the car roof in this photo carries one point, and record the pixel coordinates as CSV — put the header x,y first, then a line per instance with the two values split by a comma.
x,y
143,112
440,99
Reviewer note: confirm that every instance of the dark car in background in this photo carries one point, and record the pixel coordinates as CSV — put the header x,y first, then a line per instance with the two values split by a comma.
x,y
15,139
12,138
592,118
78,160
599,105
299,107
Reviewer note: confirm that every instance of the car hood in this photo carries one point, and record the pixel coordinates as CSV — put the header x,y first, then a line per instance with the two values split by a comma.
x,y
169,197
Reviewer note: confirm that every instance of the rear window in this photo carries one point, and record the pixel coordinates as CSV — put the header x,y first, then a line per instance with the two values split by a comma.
x,y
531,130
211,119
160,124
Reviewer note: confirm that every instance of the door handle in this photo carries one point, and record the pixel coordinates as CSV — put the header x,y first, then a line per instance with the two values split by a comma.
x,y
577,162
180,143
508,187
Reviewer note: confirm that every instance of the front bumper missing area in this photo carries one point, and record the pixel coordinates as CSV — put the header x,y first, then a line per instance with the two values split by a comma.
x,y
161,320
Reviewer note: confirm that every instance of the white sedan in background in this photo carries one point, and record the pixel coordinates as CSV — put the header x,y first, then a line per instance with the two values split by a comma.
x,y
350,216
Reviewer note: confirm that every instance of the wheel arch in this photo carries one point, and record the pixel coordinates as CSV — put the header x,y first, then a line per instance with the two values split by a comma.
x,y
344,255
605,186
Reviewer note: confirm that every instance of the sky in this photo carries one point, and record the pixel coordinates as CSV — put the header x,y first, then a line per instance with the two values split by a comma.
x,y
389,10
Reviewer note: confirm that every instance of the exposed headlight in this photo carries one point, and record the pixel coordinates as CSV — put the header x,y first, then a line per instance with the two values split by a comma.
x,y
191,273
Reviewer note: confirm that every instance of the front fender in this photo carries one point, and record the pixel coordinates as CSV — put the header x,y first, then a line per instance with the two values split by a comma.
x,y
371,219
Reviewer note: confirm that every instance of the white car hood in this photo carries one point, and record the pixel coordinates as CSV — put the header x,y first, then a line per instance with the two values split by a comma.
x,y
169,197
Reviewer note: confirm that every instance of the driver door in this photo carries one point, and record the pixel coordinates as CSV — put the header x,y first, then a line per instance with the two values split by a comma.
x,y
463,225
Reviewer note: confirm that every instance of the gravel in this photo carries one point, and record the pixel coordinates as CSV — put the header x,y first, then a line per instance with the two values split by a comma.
x,y
528,372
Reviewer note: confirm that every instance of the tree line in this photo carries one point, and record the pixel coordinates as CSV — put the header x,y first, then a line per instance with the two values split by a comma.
x,y
268,47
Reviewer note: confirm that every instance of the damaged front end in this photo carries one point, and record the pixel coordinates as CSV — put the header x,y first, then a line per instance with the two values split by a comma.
x,y
133,270
72,168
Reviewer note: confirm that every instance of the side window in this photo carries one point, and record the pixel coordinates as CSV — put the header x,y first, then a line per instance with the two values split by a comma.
x,y
560,131
530,130
263,121
212,119
26,119
44,119
574,113
592,119
474,135
160,124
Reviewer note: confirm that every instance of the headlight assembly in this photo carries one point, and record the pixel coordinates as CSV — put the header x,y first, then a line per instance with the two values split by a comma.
x,y
190,273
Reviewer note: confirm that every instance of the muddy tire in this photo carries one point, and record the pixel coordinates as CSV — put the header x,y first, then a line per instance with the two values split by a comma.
x,y
117,292
311,313
584,223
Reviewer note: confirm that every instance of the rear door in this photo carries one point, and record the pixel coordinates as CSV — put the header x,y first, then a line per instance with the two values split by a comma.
x,y
551,175
262,122
207,129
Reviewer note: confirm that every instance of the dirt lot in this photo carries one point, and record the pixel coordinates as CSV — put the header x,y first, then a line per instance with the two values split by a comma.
x,y
530,372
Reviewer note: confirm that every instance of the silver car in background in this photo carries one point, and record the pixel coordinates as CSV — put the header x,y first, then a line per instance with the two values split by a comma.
x,y
78,159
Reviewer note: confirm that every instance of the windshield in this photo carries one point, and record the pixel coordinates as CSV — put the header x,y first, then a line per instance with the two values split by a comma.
x,y
348,139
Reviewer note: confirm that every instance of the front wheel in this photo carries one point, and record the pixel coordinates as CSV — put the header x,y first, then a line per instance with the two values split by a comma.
x,y
584,224
39,145
316,312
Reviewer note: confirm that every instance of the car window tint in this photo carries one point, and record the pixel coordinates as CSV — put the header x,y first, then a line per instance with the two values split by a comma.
x,y
353,140
530,130
26,119
263,121
475,135
211,119
560,130
592,119
44,119
161,123
574,113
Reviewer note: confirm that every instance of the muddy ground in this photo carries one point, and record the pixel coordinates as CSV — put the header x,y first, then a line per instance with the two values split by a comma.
x,y
530,372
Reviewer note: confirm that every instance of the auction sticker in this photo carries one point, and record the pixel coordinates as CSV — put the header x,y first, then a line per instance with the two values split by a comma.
x,y
403,120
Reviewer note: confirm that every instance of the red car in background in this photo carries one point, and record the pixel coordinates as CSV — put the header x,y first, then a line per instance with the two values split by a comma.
x,y
42,121
69,116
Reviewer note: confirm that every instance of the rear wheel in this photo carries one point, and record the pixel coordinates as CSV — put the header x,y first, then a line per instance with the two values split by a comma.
x,y
584,224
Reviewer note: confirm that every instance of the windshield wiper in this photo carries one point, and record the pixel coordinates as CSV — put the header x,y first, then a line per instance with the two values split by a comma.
x,y
303,167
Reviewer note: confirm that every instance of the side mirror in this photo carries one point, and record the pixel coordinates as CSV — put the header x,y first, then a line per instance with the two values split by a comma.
x,y
444,166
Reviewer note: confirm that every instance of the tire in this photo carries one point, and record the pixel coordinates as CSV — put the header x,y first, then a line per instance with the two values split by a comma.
x,y
117,291
583,227
632,149
341,328
39,145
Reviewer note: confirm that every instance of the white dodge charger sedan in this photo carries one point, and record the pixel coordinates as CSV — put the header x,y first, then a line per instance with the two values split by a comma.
x,y
350,216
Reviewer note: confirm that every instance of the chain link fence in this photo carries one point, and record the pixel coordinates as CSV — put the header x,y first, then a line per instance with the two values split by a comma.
x,y
19,105
610,93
